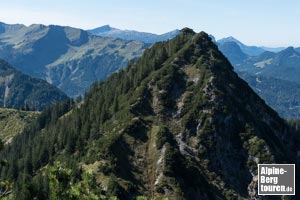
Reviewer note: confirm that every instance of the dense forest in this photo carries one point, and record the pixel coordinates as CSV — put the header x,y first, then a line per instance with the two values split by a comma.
x,y
177,123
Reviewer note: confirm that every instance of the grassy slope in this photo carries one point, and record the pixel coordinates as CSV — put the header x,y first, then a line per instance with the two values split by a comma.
x,y
12,122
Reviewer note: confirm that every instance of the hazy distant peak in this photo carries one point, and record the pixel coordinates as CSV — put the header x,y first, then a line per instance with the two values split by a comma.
x,y
101,29
110,32
229,39
10,27
40,25
249,50
288,50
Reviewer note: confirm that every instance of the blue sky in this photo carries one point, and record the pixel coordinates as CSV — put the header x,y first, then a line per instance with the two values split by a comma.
x,y
256,22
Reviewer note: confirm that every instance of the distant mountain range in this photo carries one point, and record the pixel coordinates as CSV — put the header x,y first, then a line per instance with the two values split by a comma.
x,y
107,31
283,65
110,32
273,75
18,90
70,58
73,59
249,50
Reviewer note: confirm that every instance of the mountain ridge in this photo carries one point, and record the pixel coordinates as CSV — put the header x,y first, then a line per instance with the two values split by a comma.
x,y
176,123
70,58
107,31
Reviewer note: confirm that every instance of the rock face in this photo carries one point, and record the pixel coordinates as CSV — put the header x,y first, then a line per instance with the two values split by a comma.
x,y
18,90
177,123
70,58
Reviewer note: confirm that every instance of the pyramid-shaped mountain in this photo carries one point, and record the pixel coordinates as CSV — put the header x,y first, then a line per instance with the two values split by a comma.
x,y
234,53
177,123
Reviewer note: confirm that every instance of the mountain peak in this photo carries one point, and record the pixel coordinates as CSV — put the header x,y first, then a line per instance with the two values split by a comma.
x,y
101,29
288,51
105,28
229,39
290,48
109,32
233,52
179,121
187,31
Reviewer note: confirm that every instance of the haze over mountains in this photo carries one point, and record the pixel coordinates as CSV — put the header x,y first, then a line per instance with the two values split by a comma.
x,y
70,58
176,123
249,50
107,31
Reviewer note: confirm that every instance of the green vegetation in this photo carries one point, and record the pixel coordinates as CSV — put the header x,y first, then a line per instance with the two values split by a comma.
x,y
163,136
5,185
13,122
61,186
153,130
